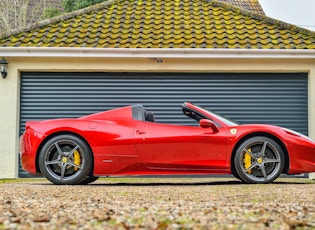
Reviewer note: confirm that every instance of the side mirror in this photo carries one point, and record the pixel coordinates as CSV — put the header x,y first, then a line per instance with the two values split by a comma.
x,y
205,123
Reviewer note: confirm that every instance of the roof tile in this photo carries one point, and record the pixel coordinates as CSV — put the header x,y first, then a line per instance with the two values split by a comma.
x,y
251,5
163,24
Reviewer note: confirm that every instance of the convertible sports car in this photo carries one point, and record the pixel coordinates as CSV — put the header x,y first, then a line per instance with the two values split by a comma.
x,y
127,141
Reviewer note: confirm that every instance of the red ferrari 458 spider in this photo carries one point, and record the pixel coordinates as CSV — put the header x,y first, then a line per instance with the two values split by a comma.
x,y
128,141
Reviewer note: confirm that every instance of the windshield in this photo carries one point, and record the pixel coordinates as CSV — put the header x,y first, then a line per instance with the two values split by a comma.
x,y
225,120
197,113
219,117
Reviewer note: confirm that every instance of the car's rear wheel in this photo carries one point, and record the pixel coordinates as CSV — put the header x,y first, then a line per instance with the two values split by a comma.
x,y
259,160
65,159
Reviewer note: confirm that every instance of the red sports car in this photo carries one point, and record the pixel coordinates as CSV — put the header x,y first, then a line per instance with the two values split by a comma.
x,y
128,141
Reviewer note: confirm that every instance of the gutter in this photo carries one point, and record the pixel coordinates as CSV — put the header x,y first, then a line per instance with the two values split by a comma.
x,y
155,53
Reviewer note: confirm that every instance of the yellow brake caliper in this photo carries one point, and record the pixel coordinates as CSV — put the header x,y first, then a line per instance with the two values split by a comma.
x,y
248,160
76,159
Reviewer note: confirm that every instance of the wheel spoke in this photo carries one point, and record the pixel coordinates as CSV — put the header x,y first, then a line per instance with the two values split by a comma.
x,y
60,152
63,170
263,170
250,168
72,151
250,153
263,149
271,160
74,165
54,162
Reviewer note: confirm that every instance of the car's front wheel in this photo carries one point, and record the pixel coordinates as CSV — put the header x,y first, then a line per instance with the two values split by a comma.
x,y
259,160
89,179
65,159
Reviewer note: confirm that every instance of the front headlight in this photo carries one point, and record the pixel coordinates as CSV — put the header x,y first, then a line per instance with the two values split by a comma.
x,y
294,133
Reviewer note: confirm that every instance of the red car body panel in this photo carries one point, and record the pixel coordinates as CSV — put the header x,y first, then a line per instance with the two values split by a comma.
x,y
125,145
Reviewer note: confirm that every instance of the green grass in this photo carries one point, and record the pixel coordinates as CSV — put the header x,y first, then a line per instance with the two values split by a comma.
x,y
22,180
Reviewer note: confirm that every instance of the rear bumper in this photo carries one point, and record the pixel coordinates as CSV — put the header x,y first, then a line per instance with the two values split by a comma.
x,y
29,143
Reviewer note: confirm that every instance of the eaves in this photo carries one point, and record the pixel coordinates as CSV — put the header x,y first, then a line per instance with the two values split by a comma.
x,y
187,53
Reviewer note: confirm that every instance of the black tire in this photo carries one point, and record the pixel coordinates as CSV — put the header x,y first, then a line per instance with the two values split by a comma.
x,y
259,160
234,173
89,179
65,159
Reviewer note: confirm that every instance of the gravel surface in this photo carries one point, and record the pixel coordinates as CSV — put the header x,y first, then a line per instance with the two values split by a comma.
x,y
158,203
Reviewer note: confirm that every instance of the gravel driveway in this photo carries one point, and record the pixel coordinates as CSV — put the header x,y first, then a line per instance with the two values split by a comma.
x,y
158,203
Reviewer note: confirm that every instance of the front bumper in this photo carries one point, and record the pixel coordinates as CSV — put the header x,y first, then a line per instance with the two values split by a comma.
x,y
302,156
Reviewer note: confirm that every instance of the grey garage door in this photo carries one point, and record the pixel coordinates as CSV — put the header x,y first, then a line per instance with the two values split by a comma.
x,y
278,98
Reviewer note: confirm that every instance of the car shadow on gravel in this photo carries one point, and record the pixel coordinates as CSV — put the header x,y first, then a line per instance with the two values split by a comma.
x,y
213,183
167,183
104,183
147,184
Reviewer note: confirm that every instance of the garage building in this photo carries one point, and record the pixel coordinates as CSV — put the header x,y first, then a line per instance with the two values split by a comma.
x,y
249,67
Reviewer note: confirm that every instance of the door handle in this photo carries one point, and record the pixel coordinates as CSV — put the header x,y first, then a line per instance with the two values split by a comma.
x,y
140,132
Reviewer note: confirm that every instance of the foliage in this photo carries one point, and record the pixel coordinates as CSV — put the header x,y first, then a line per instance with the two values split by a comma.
x,y
72,5
50,13
12,14
20,13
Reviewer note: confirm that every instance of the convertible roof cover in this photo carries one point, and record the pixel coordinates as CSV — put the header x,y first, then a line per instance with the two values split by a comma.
x,y
162,24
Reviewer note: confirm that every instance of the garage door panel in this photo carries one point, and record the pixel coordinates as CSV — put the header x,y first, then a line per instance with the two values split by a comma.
x,y
243,97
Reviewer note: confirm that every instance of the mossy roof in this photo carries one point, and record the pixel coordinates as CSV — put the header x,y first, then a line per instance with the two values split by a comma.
x,y
162,24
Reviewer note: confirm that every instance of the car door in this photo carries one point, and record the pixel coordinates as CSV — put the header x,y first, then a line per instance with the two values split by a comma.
x,y
184,149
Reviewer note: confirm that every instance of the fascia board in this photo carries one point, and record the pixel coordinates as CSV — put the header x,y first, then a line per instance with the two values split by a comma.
x,y
154,53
